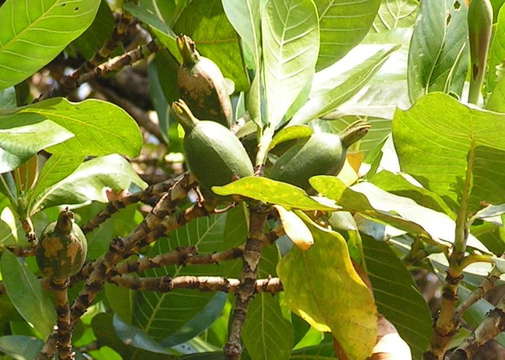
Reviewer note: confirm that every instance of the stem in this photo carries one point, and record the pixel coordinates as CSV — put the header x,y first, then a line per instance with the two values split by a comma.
x,y
264,144
247,288
64,330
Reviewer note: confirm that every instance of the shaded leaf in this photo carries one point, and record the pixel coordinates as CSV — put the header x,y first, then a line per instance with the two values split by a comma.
x,y
26,294
20,347
135,337
267,334
290,45
343,24
438,56
397,297
335,298
33,33
272,191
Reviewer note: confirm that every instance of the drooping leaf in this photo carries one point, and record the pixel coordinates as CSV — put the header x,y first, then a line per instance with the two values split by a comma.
x,y
272,191
33,33
397,297
400,212
335,298
438,57
27,295
336,84
20,347
206,23
290,35
343,24
23,135
88,182
267,334
441,141
100,127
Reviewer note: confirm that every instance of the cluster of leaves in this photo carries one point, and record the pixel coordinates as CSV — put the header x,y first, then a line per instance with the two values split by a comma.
x,y
298,66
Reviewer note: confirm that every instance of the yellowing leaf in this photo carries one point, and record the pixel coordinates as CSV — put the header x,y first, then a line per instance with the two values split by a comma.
x,y
322,286
295,228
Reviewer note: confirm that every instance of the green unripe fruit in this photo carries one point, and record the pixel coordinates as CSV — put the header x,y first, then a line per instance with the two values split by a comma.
x,y
214,154
62,248
321,154
202,85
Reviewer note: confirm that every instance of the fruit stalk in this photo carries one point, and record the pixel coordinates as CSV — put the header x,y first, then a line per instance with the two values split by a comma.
x,y
480,28
64,330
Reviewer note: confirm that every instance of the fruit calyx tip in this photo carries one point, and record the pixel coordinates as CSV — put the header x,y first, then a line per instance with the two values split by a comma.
x,y
65,221
187,48
184,114
354,132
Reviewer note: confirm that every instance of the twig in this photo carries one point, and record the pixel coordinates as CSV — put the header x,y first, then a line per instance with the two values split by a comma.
x,y
202,283
487,284
137,113
64,331
141,196
489,328
49,348
247,287
27,225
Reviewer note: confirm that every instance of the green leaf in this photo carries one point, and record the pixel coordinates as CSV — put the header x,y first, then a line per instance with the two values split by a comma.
x,y
206,23
438,57
290,133
275,192
496,57
162,314
245,18
336,84
290,45
199,322
87,183
395,13
399,185
9,228
438,154
396,295
267,334
26,294
135,337
343,24
23,135
324,351
400,212
335,297
496,100
100,127
120,300
8,98
33,33
20,347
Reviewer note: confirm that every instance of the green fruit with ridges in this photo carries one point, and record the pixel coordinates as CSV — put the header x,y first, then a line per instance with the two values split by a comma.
x,y
202,85
62,248
214,154
321,154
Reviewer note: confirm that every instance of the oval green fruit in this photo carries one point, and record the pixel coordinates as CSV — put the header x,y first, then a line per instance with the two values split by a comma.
x,y
321,154
62,248
202,85
214,154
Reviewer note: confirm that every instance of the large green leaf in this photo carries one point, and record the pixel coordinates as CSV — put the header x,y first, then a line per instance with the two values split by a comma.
x,y
33,33
397,297
161,314
438,57
335,298
441,141
87,183
343,24
272,191
215,38
23,135
290,45
26,294
337,84
267,334
100,127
